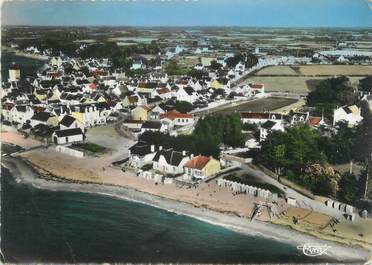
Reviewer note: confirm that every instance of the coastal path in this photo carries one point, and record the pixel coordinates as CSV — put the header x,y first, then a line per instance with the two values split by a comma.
x,y
302,201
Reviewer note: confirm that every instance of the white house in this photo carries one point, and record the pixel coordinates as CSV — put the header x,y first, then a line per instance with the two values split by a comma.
x,y
240,67
186,94
175,118
69,122
141,153
154,113
89,115
270,126
349,114
68,136
163,93
136,65
259,117
170,161
20,114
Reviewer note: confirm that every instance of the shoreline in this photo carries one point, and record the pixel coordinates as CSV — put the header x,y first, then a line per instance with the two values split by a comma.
x,y
16,52
29,175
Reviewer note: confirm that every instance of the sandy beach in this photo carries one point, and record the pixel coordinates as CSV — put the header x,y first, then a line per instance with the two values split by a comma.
x,y
9,135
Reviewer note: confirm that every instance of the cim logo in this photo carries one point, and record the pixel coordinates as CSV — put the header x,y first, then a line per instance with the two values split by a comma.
x,y
313,250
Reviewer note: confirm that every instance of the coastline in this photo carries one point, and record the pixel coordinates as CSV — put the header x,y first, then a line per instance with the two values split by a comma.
x,y
29,175
24,54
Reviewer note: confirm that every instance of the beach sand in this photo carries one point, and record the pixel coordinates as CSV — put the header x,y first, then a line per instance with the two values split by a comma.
x,y
11,136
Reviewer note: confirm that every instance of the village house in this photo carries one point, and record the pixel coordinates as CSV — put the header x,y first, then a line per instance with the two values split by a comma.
x,y
169,161
294,118
45,118
154,113
67,136
200,167
153,126
164,93
69,122
136,65
174,118
315,121
139,113
142,153
20,114
132,100
88,114
270,126
186,94
350,114
259,117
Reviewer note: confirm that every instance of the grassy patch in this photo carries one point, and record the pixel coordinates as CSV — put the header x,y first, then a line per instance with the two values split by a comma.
x,y
91,147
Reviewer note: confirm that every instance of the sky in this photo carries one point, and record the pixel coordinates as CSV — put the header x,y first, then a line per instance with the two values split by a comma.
x,y
250,13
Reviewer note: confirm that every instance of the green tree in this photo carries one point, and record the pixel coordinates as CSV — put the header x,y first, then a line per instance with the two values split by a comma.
x,y
365,84
348,188
184,106
330,93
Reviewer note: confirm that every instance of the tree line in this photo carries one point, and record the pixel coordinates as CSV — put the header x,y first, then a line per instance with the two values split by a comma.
x,y
292,153
209,133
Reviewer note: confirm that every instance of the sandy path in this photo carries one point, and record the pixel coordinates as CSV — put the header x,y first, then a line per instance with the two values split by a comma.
x,y
11,136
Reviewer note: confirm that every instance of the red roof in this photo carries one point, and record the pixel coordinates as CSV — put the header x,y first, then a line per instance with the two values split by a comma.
x,y
255,85
174,114
312,121
198,162
163,90
98,72
132,99
8,106
38,109
93,86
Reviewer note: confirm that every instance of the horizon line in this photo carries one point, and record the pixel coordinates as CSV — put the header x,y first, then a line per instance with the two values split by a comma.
x,y
196,26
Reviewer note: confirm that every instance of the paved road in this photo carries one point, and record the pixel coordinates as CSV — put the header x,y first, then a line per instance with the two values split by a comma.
x,y
302,201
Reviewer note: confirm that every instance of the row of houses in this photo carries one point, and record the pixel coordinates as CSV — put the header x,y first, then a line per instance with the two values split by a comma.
x,y
172,162
269,121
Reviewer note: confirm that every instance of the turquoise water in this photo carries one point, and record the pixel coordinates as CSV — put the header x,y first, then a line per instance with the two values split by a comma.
x,y
55,226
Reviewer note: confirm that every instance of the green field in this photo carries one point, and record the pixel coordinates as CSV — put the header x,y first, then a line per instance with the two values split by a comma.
x,y
265,104
303,78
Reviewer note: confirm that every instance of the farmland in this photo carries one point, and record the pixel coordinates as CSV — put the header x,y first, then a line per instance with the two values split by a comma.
x,y
265,104
302,79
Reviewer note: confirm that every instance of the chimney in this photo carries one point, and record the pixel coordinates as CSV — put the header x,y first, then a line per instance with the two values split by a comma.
x,y
192,156
160,148
184,153
152,148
